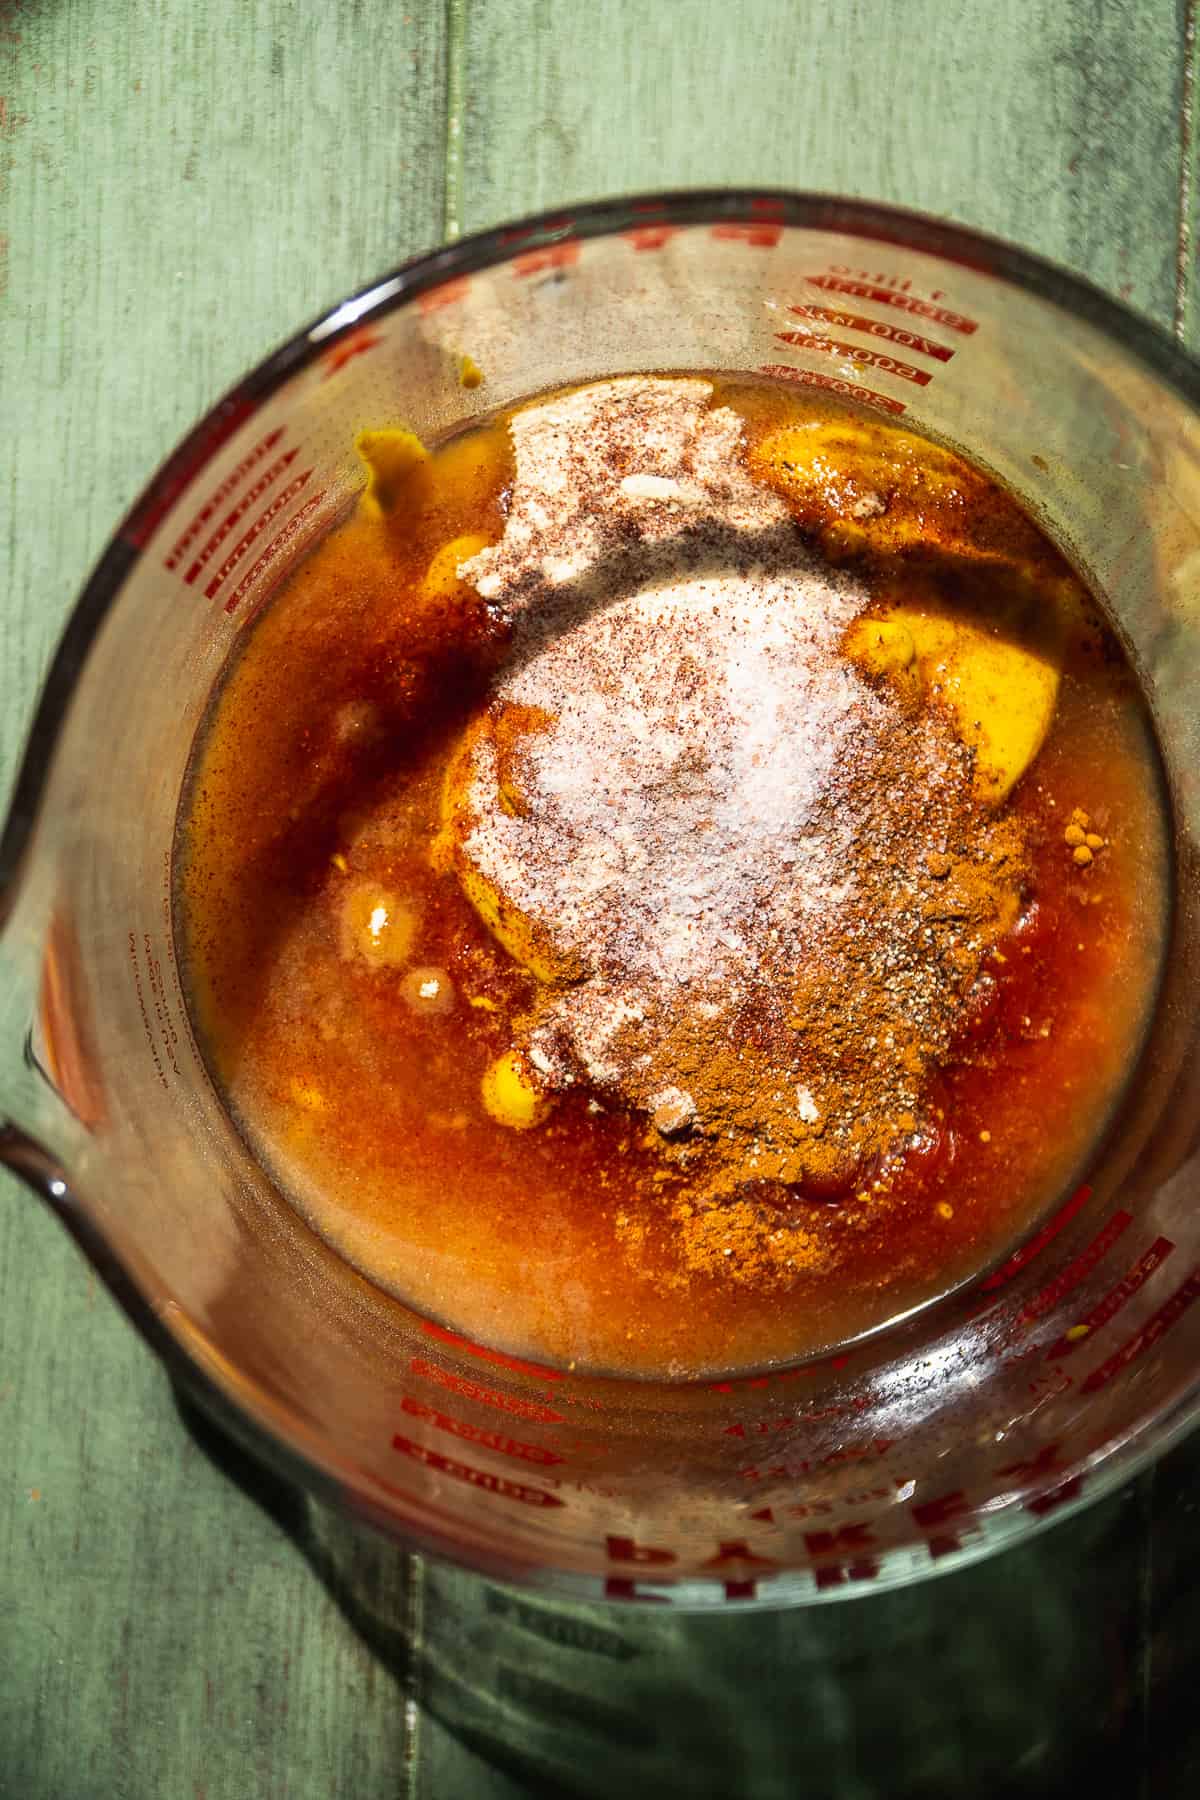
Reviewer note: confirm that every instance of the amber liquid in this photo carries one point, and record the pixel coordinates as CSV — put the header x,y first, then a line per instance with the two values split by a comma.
x,y
322,763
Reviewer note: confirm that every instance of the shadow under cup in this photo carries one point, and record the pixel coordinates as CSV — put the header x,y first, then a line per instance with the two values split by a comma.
x,y
951,1433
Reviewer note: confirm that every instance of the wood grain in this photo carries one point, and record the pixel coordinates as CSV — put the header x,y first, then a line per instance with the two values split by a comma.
x,y
1054,123
180,186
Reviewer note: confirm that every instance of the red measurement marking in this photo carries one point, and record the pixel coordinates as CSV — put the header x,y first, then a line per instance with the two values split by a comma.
x,y
929,1515
447,295
838,1541
480,1434
932,1517
1036,1245
538,262
239,512
1054,1497
274,549
279,504
1148,1336
835,384
738,1563
650,237
944,1544
183,467
499,1357
474,1390
1076,1271
876,359
880,328
920,309
759,237
478,1478
1114,1300
231,482
355,343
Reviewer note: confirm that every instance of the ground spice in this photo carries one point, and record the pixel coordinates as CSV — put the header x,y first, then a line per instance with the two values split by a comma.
x,y
768,875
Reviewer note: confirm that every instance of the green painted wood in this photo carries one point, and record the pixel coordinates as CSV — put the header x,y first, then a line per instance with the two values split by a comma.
x,y
179,187
1055,123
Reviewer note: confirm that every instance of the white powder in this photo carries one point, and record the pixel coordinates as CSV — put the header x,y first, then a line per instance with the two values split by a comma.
x,y
806,1107
700,709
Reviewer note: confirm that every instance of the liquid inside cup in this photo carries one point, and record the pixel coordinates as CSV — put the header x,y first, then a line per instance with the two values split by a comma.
x,y
680,950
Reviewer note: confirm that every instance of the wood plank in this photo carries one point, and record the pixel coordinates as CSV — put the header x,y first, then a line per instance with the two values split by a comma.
x,y
1015,1676
180,187
1054,123
159,1634
1171,1629
1187,255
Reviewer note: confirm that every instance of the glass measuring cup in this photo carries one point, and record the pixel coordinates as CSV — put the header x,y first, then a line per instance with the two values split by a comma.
x,y
956,1431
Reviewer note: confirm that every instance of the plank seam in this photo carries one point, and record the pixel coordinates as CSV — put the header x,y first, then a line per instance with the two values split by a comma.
x,y
1146,1628
456,57
1185,234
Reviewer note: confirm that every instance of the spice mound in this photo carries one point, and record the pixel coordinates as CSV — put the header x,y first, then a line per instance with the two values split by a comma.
x,y
755,878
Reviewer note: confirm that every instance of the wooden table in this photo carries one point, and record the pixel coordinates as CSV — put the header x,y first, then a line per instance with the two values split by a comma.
x,y
180,186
